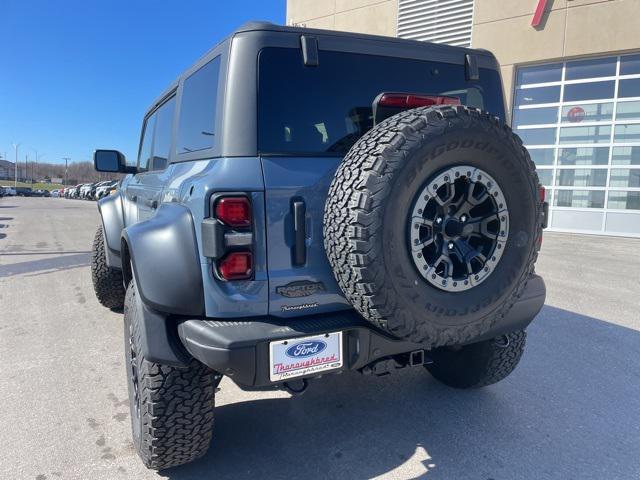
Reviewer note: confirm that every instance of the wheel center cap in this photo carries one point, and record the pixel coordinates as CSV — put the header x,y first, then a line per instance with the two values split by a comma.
x,y
453,227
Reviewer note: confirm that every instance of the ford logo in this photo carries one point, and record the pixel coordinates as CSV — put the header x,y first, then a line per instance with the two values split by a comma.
x,y
305,349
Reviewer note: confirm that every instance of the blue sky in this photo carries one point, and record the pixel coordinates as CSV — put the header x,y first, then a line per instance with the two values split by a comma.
x,y
78,75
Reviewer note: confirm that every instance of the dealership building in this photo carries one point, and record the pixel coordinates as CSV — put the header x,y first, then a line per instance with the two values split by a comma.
x,y
571,74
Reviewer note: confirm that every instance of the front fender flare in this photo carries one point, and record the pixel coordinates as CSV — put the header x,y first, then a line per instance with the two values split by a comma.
x,y
110,209
165,261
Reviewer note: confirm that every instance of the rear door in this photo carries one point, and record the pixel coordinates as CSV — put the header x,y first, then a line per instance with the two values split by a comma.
x,y
308,119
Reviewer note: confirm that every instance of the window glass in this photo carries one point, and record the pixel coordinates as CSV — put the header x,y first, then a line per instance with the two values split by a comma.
x,y
545,176
325,109
581,177
162,137
592,68
540,74
583,156
145,149
532,96
628,111
626,156
196,127
588,91
580,198
625,177
542,156
624,200
537,136
629,88
629,64
593,134
627,133
592,112
535,116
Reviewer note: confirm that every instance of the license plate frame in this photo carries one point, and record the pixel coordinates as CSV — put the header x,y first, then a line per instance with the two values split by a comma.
x,y
298,357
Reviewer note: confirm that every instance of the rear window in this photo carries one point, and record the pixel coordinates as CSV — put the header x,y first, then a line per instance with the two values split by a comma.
x,y
324,110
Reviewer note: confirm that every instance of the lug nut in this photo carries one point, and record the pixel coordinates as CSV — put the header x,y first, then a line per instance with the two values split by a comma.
x,y
463,218
439,220
450,245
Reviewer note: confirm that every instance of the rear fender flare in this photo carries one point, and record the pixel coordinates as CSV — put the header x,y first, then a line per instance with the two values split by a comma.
x,y
165,262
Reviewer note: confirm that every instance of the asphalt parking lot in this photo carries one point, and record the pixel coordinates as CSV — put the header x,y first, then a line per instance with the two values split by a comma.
x,y
570,411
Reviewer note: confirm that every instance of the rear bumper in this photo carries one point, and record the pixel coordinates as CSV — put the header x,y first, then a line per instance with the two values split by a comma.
x,y
240,348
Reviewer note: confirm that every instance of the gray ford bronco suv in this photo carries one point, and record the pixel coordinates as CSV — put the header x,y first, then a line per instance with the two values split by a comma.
x,y
306,202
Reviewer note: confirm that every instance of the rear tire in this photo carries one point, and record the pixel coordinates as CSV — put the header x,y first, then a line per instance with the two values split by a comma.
x,y
171,407
107,281
479,364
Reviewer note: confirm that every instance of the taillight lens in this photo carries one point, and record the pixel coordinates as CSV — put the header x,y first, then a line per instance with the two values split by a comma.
x,y
236,266
234,211
542,192
403,100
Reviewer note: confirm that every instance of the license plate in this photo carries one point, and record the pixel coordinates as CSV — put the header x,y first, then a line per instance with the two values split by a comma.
x,y
297,357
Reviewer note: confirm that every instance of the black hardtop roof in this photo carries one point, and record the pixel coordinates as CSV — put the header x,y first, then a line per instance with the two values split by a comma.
x,y
263,26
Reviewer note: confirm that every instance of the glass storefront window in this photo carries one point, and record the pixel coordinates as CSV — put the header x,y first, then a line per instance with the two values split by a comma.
x,y
630,64
537,136
629,88
628,111
627,133
580,198
545,176
624,200
540,74
533,96
535,116
591,112
581,177
588,91
583,156
626,156
624,177
591,68
593,108
542,156
592,134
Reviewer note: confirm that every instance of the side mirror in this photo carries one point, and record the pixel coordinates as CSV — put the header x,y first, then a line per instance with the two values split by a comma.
x,y
111,161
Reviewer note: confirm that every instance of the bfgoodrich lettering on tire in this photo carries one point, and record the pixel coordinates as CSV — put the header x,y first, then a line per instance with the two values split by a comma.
x,y
427,200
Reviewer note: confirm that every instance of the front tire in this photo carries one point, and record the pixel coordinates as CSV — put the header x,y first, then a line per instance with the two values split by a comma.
x,y
107,281
171,407
479,364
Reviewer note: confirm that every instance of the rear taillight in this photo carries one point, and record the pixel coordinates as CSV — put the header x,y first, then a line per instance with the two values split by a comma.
x,y
236,266
234,211
542,192
227,236
404,100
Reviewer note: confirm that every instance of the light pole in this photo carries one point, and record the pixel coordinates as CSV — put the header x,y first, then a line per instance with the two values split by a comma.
x,y
66,159
15,182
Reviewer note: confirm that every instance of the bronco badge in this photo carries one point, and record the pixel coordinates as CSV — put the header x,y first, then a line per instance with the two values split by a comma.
x,y
302,288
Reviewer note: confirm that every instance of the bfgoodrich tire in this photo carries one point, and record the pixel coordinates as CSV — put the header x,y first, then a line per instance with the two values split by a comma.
x,y
371,212
479,364
107,281
171,407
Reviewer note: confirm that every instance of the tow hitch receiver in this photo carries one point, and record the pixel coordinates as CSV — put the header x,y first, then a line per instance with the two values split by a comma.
x,y
389,365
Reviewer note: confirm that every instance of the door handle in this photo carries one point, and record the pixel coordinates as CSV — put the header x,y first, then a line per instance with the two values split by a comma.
x,y
153,204
134,199
299,228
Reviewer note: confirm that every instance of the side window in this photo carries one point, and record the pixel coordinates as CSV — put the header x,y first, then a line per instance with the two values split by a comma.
x,y
196,127
147,140
162,136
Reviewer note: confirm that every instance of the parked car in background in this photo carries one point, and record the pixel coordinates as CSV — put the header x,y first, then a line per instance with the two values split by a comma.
x,y
9,191
84,190
41,193
104,189
24,191
55,193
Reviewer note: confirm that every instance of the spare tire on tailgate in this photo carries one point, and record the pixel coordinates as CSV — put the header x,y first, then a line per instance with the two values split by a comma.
x,y
432,224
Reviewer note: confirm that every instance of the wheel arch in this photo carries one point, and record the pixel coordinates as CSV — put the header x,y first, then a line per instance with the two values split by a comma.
x,y
112,218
